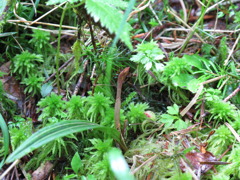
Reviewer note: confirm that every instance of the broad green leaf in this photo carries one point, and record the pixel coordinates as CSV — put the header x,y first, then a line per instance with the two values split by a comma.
x,y
167,119
46,89
194,60
173,110
182,80
180,124
49,133
193,85
76,163
119,165
6,138
109,17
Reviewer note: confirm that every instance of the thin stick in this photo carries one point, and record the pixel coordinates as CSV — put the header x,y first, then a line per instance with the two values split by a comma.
x,y
144,163
48,12
234,93
231,52
189,169
9,168
184,11
42,23
64,65
80,79
233,131
185,24
193,101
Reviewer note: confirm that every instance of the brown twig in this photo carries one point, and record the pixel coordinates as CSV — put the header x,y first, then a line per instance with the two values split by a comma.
x,y
80,79
64,65
234,93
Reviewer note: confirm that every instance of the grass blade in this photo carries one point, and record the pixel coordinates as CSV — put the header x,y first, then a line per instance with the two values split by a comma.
x,y
6,138
49,133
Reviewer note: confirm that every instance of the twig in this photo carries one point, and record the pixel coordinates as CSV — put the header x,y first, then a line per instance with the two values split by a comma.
x,y
80,79
144,163
194,100
42,23
189,169
155,15
139,8
191,29
48,12
233,131
64,65
234,93
9,168
231,52
184,11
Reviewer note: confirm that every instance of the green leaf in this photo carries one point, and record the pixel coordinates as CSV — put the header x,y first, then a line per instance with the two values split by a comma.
x,y
109,17
182,80
194,60
49,133
76,163
46,89
180,124
6,138
173,110
167,119
119,166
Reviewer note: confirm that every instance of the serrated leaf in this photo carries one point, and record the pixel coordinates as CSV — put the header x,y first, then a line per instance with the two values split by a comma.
x,y
173,110
109,17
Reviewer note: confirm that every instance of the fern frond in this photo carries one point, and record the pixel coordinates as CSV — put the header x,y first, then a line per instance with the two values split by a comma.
x,y
109,17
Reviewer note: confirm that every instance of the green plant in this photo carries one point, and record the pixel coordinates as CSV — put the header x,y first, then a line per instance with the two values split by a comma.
x,y
96,106
148,57
172,119
40,42
221,111
220,141
33,84
54,131
75,107
233,170
52,106
26,64
136,113
7,107
97,162
20,133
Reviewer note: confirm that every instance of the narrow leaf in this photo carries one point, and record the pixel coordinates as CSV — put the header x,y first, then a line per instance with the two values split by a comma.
x,y
49,133
6,138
